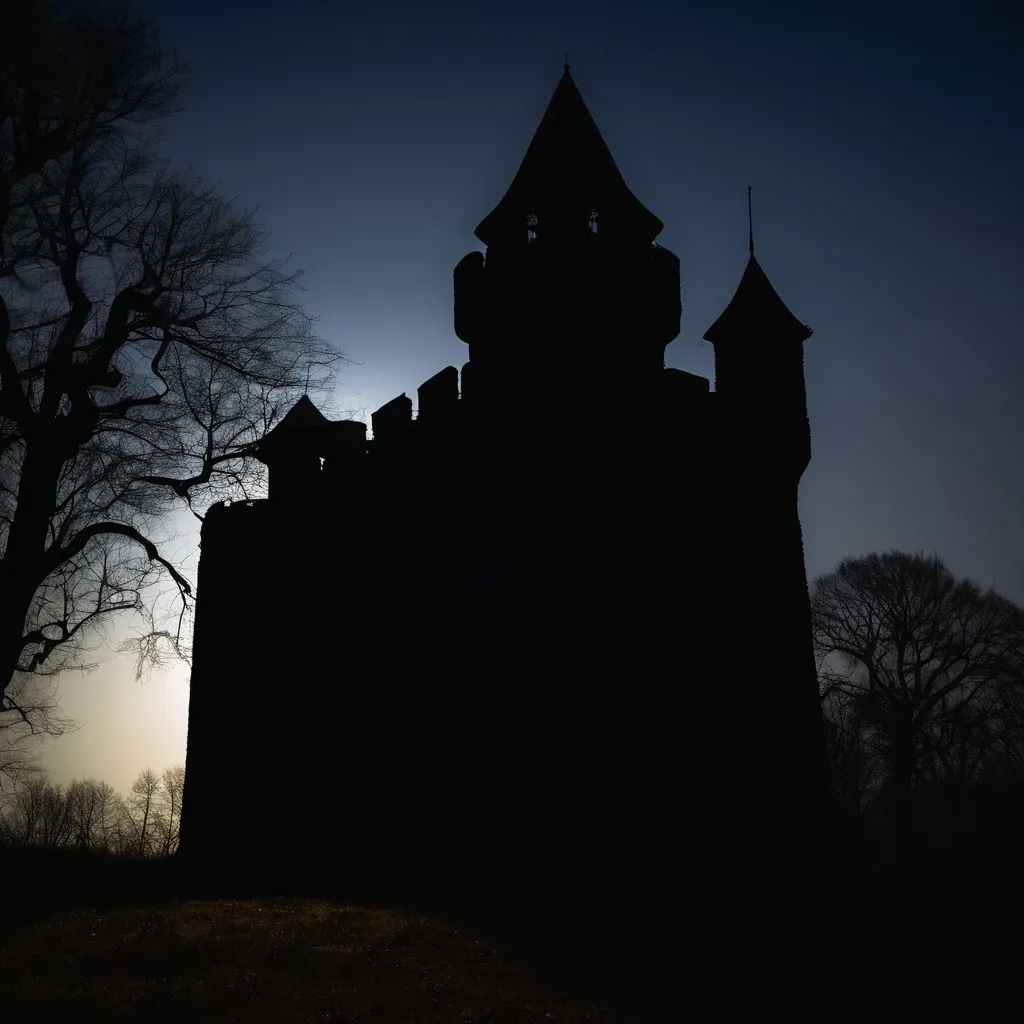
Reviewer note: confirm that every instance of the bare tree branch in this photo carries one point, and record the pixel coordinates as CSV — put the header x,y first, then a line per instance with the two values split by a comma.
x,y
148,339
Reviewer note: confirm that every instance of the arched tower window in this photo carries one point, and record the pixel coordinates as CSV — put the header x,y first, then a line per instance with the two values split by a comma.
x,y
531,227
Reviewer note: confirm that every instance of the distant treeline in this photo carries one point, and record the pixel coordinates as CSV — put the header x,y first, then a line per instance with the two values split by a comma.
x,y
89,815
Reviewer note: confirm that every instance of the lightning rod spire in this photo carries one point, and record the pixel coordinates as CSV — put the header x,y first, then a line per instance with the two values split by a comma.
x,y
750,221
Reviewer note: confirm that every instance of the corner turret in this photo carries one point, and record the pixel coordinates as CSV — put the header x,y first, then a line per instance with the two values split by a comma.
x,y
305,449
759,365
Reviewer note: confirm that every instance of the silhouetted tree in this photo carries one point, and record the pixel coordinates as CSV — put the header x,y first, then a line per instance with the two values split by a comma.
x,y
146,339
145,824
95,811
29,710
38,815
172,785
927,668
854,771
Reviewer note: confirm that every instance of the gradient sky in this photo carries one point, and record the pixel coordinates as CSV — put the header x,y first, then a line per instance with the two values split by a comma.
x,y
885,147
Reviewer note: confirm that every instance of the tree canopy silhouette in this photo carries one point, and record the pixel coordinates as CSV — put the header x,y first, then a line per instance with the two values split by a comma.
x,y
147,339
924,669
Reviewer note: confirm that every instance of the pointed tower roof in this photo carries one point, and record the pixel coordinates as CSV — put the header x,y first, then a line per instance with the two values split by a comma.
x,y
303,418
568,161
756,311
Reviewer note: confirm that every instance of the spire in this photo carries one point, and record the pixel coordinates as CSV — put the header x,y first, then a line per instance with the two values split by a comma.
x,y
750,221
567,167
755,310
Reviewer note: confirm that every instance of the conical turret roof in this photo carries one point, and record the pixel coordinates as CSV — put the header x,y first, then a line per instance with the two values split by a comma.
x,y
756,311
302,419
568,163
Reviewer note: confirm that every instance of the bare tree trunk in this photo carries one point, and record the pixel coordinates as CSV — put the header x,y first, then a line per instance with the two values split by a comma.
x,y
21,568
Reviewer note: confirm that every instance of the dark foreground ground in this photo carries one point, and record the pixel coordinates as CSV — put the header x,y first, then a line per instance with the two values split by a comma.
x,y
99,939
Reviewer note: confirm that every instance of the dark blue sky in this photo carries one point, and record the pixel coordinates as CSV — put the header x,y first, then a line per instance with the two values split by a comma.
x,y
884,144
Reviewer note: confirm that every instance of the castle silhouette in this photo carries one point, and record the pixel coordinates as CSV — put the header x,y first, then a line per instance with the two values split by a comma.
x,y
523,641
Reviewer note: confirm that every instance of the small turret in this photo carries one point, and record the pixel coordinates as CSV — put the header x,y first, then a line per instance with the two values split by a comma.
x,y
306,448
759,367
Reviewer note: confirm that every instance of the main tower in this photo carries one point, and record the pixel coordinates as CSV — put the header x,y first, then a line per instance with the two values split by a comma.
x,y
573,297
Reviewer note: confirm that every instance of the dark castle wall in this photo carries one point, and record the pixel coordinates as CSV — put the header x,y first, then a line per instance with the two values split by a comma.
x,y
439,676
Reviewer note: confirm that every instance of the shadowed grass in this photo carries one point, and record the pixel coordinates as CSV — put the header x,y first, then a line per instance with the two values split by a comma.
x,y
86,936
275,959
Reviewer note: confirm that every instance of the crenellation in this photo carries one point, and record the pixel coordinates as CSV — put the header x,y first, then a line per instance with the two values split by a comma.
x,y
345,447
439,398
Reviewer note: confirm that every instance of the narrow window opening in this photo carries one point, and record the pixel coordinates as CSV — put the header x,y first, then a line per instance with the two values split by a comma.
x,y
531,227
592,223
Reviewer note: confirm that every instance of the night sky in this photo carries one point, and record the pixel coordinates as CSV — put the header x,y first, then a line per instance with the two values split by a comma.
x,y
885,147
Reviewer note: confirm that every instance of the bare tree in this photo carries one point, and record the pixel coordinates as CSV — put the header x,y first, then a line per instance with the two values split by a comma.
x,y
854,769
145,824
95,811
147,340
29,710
930,666
22,811
172,785
38,815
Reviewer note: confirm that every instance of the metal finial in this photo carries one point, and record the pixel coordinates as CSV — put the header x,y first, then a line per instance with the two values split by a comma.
x,y
750,221
565,66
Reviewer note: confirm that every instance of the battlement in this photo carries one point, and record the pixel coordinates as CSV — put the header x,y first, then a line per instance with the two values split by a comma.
x,y
307,454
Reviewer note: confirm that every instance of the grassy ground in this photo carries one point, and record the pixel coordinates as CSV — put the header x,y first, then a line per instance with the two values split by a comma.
x,y
94,937
275,960
113,940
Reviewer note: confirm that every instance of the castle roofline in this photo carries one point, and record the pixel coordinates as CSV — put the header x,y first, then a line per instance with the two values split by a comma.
x,y
756,311
568,163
